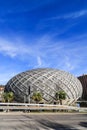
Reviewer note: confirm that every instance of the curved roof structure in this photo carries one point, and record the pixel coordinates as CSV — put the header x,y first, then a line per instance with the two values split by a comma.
x,y
47,81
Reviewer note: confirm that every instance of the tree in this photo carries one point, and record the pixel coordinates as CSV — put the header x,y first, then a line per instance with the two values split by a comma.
x,y
60,95
37,97
56,97
8,96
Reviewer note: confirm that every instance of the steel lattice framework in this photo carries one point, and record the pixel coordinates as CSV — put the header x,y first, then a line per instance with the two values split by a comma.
x,y
47,81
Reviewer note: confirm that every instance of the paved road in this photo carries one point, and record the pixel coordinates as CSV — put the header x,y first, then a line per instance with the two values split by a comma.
x,y
26,121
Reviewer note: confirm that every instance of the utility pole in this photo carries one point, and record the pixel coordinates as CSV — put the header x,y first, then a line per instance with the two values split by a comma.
x,y
24,99
29,94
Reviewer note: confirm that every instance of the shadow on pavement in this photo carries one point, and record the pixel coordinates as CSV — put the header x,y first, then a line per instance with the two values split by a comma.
x,y
47,124
55,126
84,124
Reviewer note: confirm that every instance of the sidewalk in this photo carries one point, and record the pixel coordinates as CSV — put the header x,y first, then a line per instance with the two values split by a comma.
x,y
40,113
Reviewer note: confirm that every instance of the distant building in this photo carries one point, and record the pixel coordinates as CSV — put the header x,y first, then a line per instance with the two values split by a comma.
x,y
83,80
1,92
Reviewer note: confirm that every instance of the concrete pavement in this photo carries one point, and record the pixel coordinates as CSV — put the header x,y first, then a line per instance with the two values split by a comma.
x,y
43,121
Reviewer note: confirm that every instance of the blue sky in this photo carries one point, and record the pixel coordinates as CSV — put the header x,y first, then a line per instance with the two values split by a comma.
x,y
42,33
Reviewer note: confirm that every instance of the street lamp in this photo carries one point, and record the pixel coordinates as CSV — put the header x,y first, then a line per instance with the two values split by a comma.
x,y
29,94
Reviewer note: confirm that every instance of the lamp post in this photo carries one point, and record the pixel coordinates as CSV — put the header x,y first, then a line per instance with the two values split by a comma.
x,y
24,99
29,94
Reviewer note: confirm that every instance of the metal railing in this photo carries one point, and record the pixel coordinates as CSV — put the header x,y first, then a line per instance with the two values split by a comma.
x,y
26,106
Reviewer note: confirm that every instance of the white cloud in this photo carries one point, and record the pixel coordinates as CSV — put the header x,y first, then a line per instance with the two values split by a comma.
x,y
6,76
68,55
39,61
7,48
68,64
76,14
71,15
13,48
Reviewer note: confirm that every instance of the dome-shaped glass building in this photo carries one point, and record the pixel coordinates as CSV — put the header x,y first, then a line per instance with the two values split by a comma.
x,y
47,81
